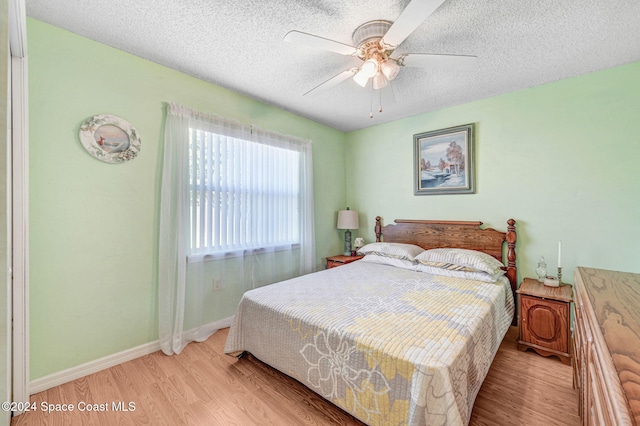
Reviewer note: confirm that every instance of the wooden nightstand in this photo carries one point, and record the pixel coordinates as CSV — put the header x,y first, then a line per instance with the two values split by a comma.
x,y
544,319
340,260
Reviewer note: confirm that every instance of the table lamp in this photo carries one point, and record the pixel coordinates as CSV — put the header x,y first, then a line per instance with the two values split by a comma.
x,y
347,219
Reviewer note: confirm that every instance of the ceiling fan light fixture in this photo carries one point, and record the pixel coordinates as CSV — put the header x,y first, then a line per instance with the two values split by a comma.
x,y
390,69
374,42
380,81
361,78
369,68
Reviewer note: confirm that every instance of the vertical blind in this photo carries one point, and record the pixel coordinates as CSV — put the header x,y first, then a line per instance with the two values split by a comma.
x,y
243,194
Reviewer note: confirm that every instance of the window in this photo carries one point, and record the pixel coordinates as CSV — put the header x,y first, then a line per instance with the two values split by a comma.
x,y
243,194
228,189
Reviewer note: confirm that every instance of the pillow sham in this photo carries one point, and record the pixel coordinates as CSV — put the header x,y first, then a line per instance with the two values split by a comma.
x,y
460,259
385,260
395,250
465,274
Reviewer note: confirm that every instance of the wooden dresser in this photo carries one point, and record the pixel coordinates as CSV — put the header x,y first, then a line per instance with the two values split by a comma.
x,y
606,343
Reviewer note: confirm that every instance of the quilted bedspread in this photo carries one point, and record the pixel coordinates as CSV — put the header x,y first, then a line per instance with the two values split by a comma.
x,y
389,345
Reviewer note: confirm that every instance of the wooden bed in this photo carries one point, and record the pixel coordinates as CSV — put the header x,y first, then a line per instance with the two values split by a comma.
x,y
386,341
430,234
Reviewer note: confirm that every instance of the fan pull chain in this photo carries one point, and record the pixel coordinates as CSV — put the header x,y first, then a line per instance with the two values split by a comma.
x,y
371,102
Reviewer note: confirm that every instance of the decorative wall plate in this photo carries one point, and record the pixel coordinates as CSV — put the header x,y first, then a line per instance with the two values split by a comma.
x,y
110,138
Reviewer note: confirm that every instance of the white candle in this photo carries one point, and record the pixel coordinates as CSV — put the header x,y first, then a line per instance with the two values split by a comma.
x,y
559,254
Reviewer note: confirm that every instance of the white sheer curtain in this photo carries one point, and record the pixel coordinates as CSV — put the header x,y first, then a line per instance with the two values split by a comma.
x,y
236,213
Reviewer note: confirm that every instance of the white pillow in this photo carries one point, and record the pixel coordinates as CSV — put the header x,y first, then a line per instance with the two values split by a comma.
x,y
394,250
460,259
385,260
469,275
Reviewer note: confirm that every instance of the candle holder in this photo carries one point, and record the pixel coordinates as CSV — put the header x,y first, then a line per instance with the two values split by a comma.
x,y
560,274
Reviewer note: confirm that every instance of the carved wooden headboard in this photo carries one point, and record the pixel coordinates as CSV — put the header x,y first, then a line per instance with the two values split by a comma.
x,y
430,234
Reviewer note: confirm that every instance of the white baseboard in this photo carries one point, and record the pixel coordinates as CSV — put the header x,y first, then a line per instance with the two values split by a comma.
x,y
52,380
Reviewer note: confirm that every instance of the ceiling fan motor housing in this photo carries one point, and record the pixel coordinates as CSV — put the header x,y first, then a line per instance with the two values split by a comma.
x,y
367,38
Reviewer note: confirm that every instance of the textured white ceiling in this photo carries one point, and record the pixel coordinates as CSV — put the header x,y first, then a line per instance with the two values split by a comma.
x,y
239,45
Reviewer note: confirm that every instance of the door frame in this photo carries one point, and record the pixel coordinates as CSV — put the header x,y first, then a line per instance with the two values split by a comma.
x,y
19,104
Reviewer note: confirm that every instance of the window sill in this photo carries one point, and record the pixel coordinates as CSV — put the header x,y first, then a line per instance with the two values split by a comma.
x,y
206,257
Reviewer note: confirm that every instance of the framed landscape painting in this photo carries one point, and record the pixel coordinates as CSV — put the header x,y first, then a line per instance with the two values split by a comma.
x,y
443,161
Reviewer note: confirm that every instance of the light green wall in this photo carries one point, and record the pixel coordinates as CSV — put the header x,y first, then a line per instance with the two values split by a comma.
x,y
5,331
562,159
93,226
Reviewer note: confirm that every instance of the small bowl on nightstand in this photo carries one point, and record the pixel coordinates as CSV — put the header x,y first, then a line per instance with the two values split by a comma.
x,y
551,282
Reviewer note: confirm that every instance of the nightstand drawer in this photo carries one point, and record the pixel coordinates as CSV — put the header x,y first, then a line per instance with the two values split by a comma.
x,y
340,260
333,264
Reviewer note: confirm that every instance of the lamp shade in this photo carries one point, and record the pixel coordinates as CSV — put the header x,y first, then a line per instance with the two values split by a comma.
x,y
361,78
348,219
390,69
369,68
380,81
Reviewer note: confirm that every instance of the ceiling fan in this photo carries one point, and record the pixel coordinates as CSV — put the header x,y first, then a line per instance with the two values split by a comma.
x,y
375,43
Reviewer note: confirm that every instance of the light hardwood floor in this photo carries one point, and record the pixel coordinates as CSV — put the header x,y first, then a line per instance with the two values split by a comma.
x,y
202,386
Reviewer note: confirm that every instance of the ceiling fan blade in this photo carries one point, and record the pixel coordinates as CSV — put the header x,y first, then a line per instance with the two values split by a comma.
x,y
411,17
317,42
427,60
333,81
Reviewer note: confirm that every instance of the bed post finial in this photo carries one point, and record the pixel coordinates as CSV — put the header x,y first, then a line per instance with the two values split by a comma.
x,y
378,229
511,243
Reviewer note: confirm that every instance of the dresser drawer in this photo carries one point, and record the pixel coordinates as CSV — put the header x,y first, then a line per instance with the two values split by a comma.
x,y
601,412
